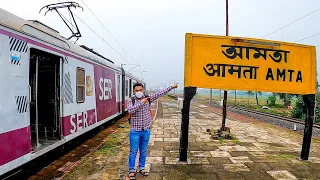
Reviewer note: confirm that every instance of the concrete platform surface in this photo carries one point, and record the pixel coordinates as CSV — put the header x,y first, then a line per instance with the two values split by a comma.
x,y
257,151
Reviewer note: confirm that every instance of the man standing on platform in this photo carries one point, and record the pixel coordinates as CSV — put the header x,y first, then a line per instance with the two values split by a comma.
x,y
140,124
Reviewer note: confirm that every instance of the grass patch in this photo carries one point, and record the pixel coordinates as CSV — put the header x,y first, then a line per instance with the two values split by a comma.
x,y
110,146
85,168
235,140
282,157
232,139
167,97
125,126
287,156
279,111
174,154
221,139
107,158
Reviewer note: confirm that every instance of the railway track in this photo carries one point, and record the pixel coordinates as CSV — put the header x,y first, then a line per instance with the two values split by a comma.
x,y
289,119
286,122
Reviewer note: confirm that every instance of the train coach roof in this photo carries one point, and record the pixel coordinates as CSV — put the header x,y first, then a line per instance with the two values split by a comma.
x,y
45,33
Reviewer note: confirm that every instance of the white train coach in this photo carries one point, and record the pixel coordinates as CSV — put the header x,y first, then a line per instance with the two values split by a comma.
x,y
51,90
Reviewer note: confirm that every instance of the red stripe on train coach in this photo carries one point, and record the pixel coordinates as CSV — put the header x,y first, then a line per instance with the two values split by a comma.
x,y
14,144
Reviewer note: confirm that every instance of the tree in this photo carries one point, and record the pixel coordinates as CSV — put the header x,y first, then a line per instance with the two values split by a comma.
x,y
257,100
317,118
297,111
249,94
272,99
286,98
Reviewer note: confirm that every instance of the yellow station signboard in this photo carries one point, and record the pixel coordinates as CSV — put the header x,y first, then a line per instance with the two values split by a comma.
x,y
233,63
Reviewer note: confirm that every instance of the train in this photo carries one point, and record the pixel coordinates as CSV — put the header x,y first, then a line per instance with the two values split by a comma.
x,y
52,90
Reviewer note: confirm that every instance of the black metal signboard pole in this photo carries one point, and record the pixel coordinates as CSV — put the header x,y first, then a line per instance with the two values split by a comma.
x,y
189,92
225,93
309,103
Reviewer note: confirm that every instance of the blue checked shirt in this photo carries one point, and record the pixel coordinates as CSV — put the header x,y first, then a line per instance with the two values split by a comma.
x,y
140,115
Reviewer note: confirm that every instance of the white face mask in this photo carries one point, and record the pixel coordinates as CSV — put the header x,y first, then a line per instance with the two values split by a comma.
x,y
139,94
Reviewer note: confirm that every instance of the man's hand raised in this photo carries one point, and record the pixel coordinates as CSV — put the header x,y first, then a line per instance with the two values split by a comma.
x,y
145,100
174,85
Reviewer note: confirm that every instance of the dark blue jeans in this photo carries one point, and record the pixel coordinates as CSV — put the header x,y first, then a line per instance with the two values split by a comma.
x,y
139,140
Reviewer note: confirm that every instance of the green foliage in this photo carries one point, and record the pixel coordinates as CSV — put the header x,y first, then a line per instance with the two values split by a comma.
x,y
278,106
286,98
275,111
257,100
235,140
317,108
297,111
110,147
250,93
272,100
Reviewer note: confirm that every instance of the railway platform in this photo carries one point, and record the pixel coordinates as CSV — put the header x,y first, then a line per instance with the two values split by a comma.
x,y
258,150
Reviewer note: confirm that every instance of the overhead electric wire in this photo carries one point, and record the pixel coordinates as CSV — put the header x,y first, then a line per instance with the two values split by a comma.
x,y
98,36
314,35
101,38
133,68
109,32
292,22
308,37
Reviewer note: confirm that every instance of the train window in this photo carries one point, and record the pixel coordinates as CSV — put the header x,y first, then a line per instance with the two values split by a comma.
x,y
80,85
126,87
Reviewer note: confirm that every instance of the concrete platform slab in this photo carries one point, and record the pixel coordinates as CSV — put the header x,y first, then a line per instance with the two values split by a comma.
x,y
256,151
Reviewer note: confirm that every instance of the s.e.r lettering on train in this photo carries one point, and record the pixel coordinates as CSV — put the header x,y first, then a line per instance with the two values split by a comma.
x,y
82,120
105,89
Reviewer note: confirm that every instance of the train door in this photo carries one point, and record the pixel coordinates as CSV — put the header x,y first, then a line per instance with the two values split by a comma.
x,y
44,81
118,93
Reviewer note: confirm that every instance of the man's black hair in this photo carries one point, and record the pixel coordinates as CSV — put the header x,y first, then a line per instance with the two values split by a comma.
x,y
137,84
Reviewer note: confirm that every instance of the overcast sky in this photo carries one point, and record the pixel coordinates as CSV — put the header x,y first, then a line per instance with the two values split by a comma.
x,y
153,31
